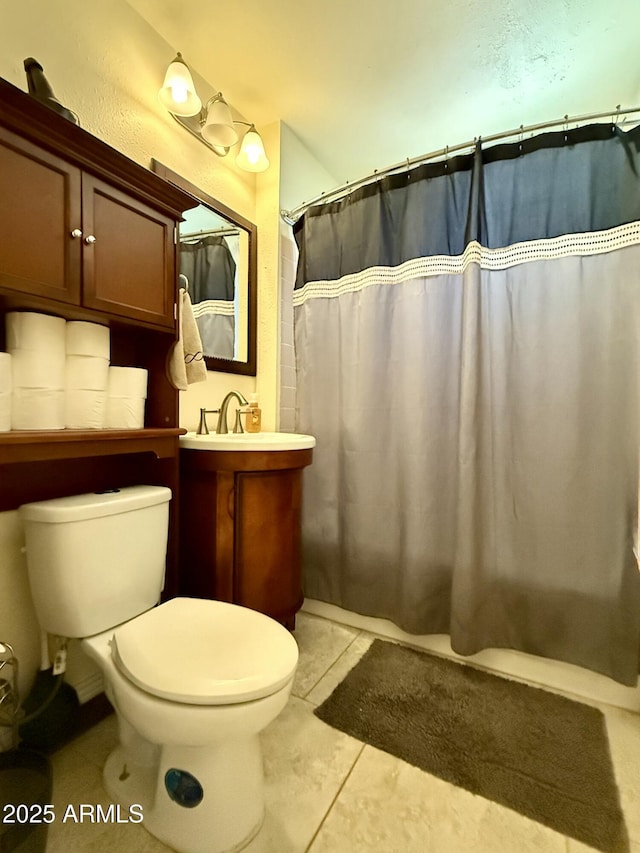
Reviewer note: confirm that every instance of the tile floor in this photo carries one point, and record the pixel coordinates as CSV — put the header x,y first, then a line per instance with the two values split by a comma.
x,y
328,793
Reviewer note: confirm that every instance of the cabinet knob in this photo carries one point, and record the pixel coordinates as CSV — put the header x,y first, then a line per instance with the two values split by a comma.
x,y
90,240
76,233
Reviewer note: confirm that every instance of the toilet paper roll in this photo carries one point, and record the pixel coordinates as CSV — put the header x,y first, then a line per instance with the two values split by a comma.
x,y
125,413
6,373
127,382
86,372
30,331
88,339
84,409
5,412
37,408
35,369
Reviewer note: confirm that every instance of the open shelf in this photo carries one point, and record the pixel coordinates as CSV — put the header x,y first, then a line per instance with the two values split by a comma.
x,y
42,445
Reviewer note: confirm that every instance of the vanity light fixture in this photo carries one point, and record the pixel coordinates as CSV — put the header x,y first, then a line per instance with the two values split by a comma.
x,y
212,124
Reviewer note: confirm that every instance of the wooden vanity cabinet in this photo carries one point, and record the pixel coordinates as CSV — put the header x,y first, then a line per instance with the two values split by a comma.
x,y
240,528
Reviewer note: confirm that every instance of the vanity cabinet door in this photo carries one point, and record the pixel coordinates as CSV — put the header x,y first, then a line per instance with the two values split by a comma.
x,y
267,573
40,221
128,255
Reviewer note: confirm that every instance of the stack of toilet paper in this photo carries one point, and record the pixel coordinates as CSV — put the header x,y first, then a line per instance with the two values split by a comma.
x,y
57,374
126,395
36,343
86,373
6,385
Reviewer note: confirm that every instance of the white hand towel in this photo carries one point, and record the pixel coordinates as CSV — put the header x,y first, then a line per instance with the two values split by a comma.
x,y
186,361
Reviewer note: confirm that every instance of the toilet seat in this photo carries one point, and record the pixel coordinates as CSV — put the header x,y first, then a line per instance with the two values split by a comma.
x,y
203,652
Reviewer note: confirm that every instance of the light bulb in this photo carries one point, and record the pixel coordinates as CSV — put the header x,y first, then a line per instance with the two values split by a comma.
x,y
218,128
178,93
251,156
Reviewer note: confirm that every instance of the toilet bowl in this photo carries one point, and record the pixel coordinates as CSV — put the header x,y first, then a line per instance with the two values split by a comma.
x,y
193,682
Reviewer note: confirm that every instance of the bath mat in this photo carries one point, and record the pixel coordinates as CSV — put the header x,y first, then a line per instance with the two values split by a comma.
x,y
535,752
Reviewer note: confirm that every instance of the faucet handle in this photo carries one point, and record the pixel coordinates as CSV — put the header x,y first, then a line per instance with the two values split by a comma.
x,y
203,429
237,427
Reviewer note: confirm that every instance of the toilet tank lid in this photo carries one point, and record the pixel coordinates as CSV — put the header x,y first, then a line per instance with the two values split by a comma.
x,y
94,504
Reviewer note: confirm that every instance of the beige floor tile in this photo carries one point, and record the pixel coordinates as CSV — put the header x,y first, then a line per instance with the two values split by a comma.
x,y
98,838
305,762
75,778
320,643
76,782
574,846
96,743
388,806
347,660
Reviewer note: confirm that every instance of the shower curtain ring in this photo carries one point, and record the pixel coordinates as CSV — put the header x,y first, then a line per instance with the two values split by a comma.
x,y
614,119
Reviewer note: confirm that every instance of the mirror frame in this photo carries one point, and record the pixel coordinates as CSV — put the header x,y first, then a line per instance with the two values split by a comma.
x,y
225,365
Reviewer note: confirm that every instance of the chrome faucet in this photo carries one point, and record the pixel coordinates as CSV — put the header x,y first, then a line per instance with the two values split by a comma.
x,y
203,429
222,427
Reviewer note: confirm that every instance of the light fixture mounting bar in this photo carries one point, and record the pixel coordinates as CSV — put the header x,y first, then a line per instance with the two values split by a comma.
x,y
194,125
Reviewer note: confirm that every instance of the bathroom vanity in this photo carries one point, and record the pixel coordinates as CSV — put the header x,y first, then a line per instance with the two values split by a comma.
x,y
240,520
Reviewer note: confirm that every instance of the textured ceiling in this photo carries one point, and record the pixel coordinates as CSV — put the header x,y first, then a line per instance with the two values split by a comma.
x,y
365,84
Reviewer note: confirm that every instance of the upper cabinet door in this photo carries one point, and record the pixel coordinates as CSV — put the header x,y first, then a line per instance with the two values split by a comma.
x,y
128,255
40,221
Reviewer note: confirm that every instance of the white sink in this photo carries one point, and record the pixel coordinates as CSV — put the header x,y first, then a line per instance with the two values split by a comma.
x,y
247,441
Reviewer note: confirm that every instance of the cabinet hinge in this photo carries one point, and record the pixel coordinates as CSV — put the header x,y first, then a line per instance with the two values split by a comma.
x,y
175,310
175,235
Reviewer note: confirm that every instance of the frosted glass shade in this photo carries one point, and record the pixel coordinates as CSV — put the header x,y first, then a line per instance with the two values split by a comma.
x,y
251,156
178,93
218,128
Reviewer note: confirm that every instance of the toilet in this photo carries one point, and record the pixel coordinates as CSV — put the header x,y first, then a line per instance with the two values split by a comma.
x,y
192,681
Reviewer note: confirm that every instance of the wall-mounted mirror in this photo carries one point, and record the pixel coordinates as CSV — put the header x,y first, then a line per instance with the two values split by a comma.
x,y
217,254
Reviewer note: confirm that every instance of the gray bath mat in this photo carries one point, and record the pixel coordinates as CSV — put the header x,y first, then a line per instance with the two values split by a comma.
x,y
535,752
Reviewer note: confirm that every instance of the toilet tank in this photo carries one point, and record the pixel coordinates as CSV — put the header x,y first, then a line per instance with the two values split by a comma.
x,y
96,560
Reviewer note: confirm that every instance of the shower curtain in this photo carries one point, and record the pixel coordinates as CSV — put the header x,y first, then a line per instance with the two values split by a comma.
x,y
466,357
211,271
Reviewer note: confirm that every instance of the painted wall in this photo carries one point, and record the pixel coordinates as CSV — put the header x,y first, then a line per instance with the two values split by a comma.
x,y
302,177
105,63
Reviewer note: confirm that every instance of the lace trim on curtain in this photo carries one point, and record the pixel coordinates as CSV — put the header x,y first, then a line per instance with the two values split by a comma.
x,y
567,245
213,306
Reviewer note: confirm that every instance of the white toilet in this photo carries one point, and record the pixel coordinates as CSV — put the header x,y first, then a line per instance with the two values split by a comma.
x,y
192,681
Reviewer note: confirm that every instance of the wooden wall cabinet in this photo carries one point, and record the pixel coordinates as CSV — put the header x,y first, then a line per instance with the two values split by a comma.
x,y
59,187
240,528
72,237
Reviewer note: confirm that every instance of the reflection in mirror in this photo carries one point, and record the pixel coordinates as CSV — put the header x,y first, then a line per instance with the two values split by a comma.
x,y
217,265
213,256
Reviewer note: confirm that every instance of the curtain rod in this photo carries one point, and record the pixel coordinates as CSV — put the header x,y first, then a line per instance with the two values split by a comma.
x,y
291,216
215,232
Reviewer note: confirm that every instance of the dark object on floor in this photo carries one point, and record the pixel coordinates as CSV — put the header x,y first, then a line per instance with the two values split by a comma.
x,y
41,90
25,782
530,750
50,712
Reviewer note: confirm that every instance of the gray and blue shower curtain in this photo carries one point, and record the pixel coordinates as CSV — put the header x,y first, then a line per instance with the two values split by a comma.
x,y
210,268
466,348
